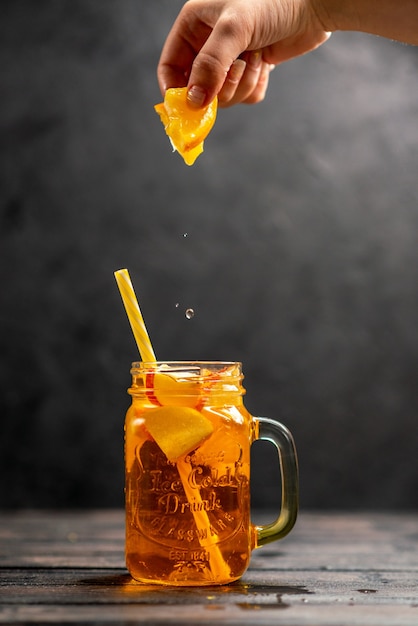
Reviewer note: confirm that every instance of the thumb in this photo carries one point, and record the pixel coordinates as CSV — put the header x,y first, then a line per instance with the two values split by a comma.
x,y
211,66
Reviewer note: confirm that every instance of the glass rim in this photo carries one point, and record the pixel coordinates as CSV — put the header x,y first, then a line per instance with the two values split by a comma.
x,y
183,363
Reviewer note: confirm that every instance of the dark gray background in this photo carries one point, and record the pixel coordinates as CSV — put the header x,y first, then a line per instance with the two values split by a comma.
x,y
294,238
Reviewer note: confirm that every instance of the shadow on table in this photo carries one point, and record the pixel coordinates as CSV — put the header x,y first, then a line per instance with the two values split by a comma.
x,y
123,588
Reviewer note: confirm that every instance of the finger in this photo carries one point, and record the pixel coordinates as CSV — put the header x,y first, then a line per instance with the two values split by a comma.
x,y
259,92
232,81
250,78
188,34
211,66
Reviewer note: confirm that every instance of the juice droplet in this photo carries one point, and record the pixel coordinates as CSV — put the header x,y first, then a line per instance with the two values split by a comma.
x,y
185,234
177,305
189,314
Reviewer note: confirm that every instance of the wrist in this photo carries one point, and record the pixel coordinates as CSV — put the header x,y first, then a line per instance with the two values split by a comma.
x,y
336,15
388,18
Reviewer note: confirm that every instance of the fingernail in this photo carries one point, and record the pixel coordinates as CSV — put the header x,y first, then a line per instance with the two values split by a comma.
x,y
236,70
255,59
196,96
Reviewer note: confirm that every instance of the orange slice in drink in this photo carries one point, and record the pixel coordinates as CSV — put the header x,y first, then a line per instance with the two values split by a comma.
x,y
186,127
168,390
177,430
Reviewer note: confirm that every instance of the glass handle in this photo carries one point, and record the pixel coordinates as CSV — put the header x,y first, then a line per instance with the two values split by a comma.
x,y
270,430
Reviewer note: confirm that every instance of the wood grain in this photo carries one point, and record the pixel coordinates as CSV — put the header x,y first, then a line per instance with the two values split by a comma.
x,y
334,569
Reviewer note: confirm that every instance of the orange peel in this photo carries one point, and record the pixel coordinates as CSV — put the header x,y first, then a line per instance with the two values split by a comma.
x,y
186,127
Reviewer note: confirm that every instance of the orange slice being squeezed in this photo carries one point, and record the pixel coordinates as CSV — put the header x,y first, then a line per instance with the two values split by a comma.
x,y
186,127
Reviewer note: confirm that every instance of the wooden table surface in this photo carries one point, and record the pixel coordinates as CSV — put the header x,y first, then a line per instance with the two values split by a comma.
x,y
333,569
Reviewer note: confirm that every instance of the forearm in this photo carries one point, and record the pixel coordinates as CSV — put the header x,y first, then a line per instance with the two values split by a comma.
x,y
394,19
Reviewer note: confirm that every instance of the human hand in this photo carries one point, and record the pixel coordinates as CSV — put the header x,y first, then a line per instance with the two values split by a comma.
x,y
228,47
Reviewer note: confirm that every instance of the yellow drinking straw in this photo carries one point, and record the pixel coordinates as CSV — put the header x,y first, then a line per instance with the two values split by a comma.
x,y
217,564
135,316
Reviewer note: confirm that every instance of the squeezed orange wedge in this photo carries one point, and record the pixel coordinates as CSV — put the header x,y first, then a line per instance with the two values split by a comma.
x,y
186,127
177,430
